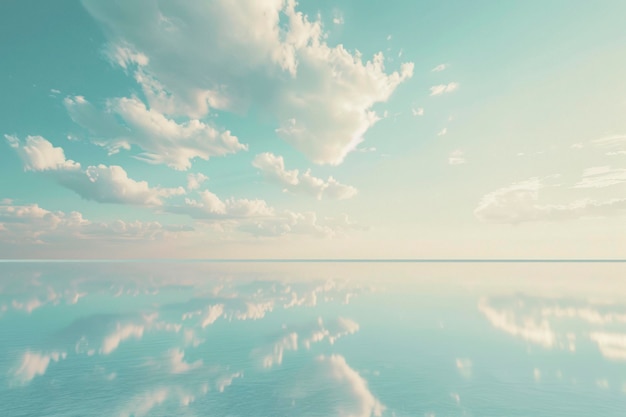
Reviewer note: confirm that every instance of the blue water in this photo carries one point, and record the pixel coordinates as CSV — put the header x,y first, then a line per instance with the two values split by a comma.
x,y
323,339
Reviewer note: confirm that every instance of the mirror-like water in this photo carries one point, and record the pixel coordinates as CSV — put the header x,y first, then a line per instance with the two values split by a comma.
x,y
312,339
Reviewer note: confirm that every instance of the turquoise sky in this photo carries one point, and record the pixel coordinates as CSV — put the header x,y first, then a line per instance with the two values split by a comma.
x,y
318,129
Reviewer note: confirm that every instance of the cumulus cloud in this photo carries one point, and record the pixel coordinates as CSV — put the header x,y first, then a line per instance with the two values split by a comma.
x,y
273,169
163,140
193,57
209,206
440,68
194,181
437,90
35,364
105,184
32,224
256,217
40,155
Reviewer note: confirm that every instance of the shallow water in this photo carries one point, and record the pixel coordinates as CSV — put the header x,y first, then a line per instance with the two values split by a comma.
x,y
312,339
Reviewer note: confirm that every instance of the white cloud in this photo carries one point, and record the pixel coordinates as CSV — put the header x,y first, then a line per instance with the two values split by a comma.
x,y
440,68
539,333
616,143
122,332
178,364
357,399
338,19
437,90
262,55
163,140
599,177
417,112
38,154
24,224
210,206
194,181
259,219
537,374
519,203
442,132
273,168
105,184
35,364
611,345
214,313
457,158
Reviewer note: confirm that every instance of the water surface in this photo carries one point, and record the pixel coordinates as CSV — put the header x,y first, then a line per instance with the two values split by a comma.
x,y
312,339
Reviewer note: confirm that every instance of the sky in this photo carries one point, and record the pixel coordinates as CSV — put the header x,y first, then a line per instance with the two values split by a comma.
x,y
319,129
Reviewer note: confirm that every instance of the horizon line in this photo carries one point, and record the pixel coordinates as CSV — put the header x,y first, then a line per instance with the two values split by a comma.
x,y
322,260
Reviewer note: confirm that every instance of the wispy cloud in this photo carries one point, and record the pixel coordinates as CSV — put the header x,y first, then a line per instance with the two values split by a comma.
x,y
440,89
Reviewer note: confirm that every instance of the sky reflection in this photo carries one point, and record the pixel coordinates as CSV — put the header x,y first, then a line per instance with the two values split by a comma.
x,y
141,339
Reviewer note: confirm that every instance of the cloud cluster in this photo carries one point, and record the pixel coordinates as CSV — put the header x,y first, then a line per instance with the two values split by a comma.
x,y
198,56
32,224
105,184
127,122
256,217
273,169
